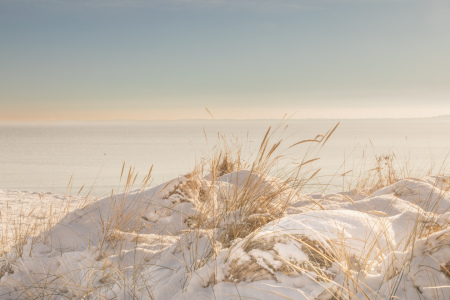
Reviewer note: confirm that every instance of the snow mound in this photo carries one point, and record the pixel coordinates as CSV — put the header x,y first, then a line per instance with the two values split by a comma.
x,y
187,239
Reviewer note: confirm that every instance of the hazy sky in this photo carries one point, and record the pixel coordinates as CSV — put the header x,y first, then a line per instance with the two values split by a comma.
x,y
168,59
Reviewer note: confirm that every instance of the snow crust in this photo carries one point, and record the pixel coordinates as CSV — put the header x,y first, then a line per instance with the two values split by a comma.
x,y
147,244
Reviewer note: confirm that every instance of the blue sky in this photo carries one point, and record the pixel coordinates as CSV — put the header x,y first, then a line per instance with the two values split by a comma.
x,y
118,59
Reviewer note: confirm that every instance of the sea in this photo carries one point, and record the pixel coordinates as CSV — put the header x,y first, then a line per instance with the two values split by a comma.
x,y
63,157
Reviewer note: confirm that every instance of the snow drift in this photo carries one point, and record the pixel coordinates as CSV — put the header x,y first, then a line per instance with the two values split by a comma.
x,y
186,239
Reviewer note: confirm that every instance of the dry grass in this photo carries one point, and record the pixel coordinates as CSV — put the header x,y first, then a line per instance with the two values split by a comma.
x,y
226,216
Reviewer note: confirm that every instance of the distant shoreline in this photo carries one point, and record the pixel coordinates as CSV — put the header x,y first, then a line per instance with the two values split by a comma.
x,y
115,121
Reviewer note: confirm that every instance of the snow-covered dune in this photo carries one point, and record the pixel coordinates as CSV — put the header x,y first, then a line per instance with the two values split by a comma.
x,y
23,212
180,240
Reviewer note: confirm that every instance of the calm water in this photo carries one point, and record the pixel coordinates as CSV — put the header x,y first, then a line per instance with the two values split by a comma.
x,y
44,156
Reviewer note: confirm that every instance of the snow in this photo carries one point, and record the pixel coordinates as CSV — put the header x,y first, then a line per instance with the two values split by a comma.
x,y
158,243
22,209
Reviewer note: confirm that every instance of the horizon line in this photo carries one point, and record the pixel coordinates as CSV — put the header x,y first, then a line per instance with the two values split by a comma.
x,y
214,119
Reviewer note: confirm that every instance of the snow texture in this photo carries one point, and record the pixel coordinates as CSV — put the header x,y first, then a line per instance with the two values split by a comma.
x,y
147,244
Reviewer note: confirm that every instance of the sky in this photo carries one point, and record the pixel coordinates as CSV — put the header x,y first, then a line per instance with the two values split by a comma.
x,y
242,59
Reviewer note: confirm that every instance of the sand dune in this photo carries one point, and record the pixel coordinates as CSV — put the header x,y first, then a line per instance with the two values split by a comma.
x,y
165,243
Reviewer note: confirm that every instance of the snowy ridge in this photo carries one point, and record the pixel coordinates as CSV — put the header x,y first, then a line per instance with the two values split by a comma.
x,y
158,243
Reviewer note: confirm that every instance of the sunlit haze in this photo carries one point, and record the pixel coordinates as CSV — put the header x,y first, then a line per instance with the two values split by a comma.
x,y
146,60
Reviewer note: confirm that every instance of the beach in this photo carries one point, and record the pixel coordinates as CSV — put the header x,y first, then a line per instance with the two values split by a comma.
x,y
234,228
